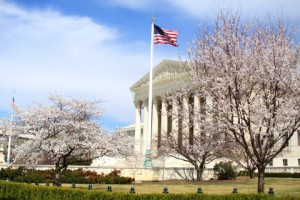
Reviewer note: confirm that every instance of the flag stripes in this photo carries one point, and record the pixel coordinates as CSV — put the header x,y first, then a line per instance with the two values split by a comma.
x,y
164,36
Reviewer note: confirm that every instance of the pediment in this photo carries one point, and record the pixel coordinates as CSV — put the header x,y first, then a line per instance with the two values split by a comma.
x,y
164,71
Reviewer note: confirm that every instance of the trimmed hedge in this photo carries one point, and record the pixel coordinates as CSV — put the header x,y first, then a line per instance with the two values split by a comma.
x,y
282,175
273,174
19,191
22,174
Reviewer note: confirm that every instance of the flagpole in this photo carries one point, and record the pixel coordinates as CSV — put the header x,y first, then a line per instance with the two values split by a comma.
x,y
148,159
10,131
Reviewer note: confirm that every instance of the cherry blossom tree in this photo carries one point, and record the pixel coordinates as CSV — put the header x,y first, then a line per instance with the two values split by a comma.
x,y
250,69
63,131
4,130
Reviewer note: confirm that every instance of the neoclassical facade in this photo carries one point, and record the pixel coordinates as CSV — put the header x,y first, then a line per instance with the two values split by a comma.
x,y
168,77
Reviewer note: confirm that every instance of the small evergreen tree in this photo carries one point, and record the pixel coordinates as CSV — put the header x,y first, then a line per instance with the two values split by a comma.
x,y
225,171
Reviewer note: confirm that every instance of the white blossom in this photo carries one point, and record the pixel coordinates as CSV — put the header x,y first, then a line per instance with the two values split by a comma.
x,y
250,70
65,130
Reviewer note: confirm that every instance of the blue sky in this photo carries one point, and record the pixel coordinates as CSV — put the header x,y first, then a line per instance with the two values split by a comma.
x,y
97,49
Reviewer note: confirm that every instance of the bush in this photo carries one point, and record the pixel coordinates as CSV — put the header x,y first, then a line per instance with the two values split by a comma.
x,y
10,173
273,174
114,178
244,173
279,175
19,191
225,171
296,175
282,175
69,176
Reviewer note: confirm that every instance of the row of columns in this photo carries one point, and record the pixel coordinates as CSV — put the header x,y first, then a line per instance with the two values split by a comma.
x,y
175,115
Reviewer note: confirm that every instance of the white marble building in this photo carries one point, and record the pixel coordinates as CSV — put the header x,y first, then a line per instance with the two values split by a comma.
x,y
168,77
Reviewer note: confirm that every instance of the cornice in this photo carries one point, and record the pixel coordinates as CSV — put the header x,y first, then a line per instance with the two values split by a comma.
x,y
168,77
165,70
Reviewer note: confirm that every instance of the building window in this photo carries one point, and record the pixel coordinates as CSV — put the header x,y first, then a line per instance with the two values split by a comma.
x,y
298,137
298,162
285,162
271,163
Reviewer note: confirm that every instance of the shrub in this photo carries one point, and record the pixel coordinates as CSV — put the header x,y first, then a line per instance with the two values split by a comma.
x,y
69,176
18,191
244,173
296,175
225,171
279,175
114,177
273,174
10,173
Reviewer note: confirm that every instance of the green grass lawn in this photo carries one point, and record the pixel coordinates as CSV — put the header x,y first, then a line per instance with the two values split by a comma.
x,y
282,186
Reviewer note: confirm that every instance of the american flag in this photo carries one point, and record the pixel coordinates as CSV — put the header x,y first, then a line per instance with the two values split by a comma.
x,y
163,36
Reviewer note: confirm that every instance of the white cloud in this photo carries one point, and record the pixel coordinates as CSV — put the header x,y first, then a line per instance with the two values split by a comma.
x,y
133,4
44,51
204,8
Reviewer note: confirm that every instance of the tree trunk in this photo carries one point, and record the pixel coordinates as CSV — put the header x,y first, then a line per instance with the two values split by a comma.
x,y
57,173
261,180
200,169
56,177
61,165
199,174
251,172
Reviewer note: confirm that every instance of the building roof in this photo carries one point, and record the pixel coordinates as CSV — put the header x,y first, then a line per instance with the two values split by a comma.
x,y
167,77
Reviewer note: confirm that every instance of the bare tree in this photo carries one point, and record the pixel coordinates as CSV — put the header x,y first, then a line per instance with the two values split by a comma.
x,y
251,70
63,131
195,147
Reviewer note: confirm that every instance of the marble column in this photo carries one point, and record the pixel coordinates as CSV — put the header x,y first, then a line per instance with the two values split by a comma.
x,y
164,118
145,127
155,126
197,115
175,118
137,146
185,120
